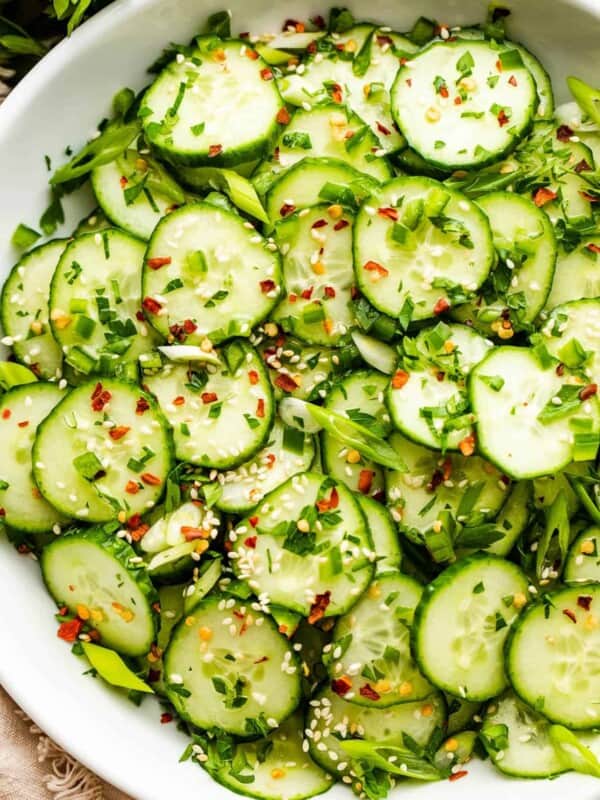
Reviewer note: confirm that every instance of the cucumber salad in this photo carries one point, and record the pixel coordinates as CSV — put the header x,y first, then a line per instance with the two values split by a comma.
x,y
302,421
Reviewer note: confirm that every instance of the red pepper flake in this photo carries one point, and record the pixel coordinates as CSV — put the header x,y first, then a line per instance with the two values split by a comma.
x,y
513,81
283,116
441,306
131,487
286,209
6,413
266,74
157,263
141,406
166,717
190,533
384,40
341,224
377,269
100,397
588,391
189,326
499,65
285,382
250,541
570,614
436,480
134,521
368,692
582,166
318,22
149,479
591,198
584,601
439,375
208,397
260,408
382,129
2,512
69,630
544,195
560,370
271,459
456,776
139,315
593,248
253,377
457,101
151,305
324,505
365,480
319,607
502,118
267,286
564,133
400,379
388,213
118,432
215,150
341,686
23,424
292,297
336,91
306,294
319,223
467,445
179,400
253,521
329,292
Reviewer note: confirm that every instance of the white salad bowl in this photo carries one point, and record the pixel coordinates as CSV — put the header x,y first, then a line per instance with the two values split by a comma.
x,y
60,104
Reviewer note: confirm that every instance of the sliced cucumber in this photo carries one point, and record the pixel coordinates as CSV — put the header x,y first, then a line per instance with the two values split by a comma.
x,y
546,489
467,486
96,222
572,335
356,67
517,740
317,180
525,436
384,534
95,303
360,398
518,286
318,274
24,310
466,613
497,102
331,720
105,448
231,668
431,407
577,274
179,108
98,577
22,409
220,417
583,561
307,548
275,767
374,353
326,131
117,189
204,580
419,248
370,652
287,453
572,203
208,273
563,633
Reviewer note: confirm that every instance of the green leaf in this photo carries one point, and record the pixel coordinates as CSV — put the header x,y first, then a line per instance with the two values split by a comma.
x,y
114,140
219,24
557,524
357,437
362,60
568,401
340,19
111,667
587,98
77,16
405,763
12,374
21,45
240,191
297,140
573,754
24,237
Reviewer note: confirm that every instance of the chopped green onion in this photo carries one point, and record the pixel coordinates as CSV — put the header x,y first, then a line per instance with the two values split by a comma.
x,y
24,237
111,668
88,465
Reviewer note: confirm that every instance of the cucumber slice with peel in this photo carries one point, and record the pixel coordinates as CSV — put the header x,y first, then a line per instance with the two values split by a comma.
x,y
306,547
466,613
563,633
384,534
576,275
230,667
376,354
572,335
98,577
583,561
370,650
